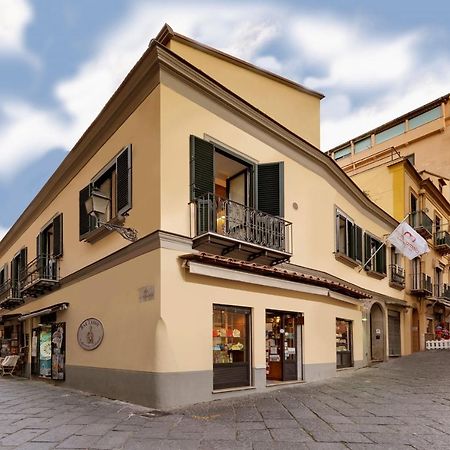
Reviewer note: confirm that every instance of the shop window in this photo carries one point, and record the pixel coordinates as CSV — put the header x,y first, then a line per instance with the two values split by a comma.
x,y
344,344
348,238
231,346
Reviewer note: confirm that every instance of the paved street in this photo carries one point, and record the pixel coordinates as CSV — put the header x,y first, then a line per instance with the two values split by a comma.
x,y
404,403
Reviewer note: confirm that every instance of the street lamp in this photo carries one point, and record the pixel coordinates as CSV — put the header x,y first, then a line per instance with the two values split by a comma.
x,y
97,204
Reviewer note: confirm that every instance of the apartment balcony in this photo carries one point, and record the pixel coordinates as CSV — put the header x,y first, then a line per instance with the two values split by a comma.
x,y
397,276
441,291
442,242
40,276
421,285
421,223
221,226
10,295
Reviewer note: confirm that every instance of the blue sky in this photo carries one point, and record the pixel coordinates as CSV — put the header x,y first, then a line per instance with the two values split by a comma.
x,y
61,61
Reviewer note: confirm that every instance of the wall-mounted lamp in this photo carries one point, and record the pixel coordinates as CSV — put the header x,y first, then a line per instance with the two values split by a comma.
x,y
97,204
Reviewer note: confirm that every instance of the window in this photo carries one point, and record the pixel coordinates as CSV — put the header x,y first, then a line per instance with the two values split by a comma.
x,y
348,238
374,254
49,247
230,345
115,182
385,135
425,117
18,266
413,203
342,153
344,357
363,144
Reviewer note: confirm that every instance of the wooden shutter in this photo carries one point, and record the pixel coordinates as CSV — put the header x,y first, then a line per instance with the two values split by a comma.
x,y
201,167
270,185
123,185
367,252
58,236
23,258
85,219
381,259
358,246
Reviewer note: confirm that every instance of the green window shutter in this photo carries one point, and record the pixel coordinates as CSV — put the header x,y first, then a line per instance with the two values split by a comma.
x,y
381,259
23,259
270,188
58,236
201,167
40,253
367,252
123,185
358,245
85,218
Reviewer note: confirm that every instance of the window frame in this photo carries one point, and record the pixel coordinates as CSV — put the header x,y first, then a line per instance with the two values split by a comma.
x,y
351,253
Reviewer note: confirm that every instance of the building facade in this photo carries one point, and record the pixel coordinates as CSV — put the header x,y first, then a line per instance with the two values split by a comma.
x,y
402,166
239,279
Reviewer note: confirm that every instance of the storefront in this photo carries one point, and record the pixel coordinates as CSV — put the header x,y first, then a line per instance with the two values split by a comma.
x,y
48,343
231,347
283,345
344,344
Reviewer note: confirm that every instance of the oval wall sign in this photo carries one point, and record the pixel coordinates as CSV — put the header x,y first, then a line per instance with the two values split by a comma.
x,y
90,334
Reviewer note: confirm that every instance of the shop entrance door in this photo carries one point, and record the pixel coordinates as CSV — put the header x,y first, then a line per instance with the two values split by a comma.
x,y
394,333
415,331
282,351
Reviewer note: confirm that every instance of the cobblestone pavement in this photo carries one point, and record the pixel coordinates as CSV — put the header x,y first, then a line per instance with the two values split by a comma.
x,y
404,403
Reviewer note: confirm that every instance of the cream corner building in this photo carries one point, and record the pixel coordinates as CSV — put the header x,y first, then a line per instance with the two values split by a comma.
x,y
247,271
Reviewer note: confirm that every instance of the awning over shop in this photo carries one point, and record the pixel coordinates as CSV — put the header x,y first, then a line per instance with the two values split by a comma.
x,y
43,311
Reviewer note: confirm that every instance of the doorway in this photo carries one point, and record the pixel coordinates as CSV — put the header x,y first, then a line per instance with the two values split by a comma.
x,y
377,332
283,345
394,333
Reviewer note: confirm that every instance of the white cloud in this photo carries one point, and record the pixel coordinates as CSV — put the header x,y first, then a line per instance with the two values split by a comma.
x,y
15,17
341,58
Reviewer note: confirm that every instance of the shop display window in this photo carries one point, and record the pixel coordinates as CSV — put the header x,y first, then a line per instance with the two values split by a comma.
x,y
344,343
230,344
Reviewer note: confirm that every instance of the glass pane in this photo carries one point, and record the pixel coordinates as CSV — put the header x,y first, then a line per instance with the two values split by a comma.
x,y
397,130
425,117
363,144
342,153
229,336
342,336
290,338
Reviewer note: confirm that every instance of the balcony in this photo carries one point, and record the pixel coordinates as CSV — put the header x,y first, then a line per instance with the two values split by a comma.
x,y
221,226
421,285
442,291
397,276
10,295
421,223
442,242
40,276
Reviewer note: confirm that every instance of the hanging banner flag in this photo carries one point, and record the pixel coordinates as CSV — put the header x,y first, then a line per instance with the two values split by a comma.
x,y
408,242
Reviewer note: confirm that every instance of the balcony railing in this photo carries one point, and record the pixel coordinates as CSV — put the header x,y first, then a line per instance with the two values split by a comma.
x,y
421,284
10,294
40,275
397,274
230,224
442,291
421,223
442,242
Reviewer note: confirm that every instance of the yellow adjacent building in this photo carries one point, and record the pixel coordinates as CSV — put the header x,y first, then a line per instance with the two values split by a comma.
x,y
404,168
247,271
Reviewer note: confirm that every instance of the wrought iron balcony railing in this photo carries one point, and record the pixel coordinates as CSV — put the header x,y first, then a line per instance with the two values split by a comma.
x,y
9,293
397,274
421,284
40,275
442,242
213,214
442,291
422,223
